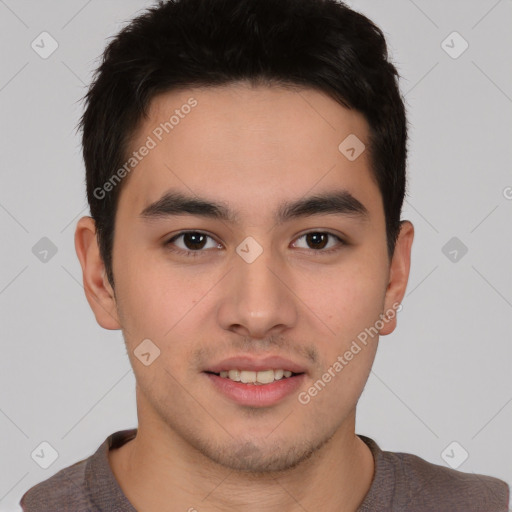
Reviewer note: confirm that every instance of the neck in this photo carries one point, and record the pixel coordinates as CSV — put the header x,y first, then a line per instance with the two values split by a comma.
x,y
159,471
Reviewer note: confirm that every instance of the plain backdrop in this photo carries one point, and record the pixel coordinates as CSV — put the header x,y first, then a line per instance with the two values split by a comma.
x,y
443,376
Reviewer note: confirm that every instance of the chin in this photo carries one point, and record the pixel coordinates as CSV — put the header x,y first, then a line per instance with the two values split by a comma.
x,y
262,458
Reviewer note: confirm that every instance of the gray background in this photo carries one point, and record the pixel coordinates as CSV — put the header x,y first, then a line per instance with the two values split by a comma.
x,y
442,376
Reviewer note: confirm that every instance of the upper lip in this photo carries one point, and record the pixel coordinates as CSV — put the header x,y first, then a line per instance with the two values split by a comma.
x,y
256,364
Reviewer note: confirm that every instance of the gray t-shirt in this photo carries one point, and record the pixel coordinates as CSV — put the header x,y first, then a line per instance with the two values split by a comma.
x,y
401,483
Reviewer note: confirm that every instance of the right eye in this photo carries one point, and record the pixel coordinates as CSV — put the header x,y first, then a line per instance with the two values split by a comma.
x,y
192,243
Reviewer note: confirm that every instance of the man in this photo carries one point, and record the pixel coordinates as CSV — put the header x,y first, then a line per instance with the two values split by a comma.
x,y
245,165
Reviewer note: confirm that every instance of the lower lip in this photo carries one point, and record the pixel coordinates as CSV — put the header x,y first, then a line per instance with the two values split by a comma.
x,y
254,395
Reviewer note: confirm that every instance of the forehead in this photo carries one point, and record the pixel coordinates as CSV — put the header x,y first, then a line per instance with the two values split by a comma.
x,y
249,146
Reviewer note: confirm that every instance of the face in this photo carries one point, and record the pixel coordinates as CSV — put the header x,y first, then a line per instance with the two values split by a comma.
x,y
251,282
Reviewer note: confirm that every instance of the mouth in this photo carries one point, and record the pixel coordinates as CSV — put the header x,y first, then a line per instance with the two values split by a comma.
x,y
254,382
257,378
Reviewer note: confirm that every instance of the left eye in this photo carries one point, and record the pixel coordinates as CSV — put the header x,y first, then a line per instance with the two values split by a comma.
x,y
318,240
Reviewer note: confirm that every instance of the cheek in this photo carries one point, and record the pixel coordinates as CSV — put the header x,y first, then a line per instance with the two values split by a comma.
x,y
158,305
148,295
347,299
162,301
350,307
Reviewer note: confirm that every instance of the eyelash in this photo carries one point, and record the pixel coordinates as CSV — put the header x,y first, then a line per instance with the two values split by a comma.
x,y
200,252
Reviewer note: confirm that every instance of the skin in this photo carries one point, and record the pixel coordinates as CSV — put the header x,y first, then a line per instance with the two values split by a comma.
x,y
251,148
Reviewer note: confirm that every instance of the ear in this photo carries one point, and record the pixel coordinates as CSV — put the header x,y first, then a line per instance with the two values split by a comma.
x,y
98,290
398,275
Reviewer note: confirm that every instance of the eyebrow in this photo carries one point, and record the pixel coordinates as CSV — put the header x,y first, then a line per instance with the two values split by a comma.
x,y
174,203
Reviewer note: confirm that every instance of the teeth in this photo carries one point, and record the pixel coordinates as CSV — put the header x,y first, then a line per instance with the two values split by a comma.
x,y
251,377
233,375
247,377
265,377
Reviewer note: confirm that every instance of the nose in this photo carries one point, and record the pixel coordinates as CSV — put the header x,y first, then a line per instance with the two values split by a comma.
x,y
257,300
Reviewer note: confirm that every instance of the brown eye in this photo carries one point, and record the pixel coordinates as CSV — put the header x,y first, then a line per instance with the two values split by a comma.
x,y
319,240
192,243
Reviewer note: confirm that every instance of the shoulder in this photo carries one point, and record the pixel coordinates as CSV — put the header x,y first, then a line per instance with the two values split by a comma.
x,y
422,485
456,490
87,485
64,491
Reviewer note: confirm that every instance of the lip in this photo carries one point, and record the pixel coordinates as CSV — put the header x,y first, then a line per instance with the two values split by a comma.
x,y
252,395
256,364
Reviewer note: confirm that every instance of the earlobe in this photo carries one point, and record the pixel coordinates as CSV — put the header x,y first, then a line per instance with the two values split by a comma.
x,y
98,291
399,275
